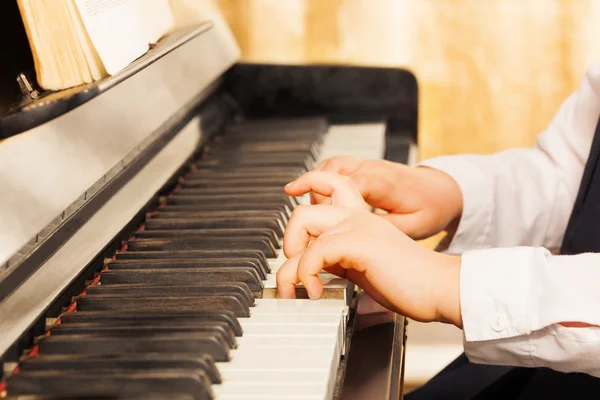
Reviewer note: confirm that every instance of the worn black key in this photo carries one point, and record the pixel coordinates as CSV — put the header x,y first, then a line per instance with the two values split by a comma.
x,y
182,276
143,396
217,223
245,171
203,243
204,289
150,317
262,161
218,302
155,233
215,175
235,181
193,263
122,329
288,133
219,214
240,158
266,150
185,342
257,190
125,362
195,254
272,146
317,125
229,207
110,384
203,198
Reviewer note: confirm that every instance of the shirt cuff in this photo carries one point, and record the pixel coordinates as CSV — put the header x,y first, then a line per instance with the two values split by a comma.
x,y
478,201
495,290
495,299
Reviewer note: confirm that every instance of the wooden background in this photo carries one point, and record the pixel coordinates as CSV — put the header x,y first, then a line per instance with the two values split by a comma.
x,y
491,73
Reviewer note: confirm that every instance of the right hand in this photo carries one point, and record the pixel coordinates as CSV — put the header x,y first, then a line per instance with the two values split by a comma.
x,y
421,201
394,270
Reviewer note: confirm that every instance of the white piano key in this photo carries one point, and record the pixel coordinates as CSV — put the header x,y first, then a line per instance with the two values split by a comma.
x,y
260,320
267,390
295,306
282,328
318,376
279,357
279,340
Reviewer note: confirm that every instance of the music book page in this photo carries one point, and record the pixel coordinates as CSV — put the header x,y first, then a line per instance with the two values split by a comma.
x,y
122,30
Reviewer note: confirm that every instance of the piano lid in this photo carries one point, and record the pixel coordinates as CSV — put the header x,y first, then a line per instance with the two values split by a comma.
x,y
79,144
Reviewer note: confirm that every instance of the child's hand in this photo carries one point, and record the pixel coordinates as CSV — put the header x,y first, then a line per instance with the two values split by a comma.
x,y
420,201
397,272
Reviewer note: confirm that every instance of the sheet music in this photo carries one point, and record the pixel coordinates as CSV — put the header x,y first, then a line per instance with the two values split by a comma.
x,y
122,30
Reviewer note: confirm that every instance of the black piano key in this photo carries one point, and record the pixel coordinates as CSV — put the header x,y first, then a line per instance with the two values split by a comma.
x,y
216,223
216,175
244,158
93,328
193,343
266,149
151,317
204,289
231,207
276,215
235,181
192,263
107,384
155,233
318,125
246,161
245,171
167,303
110,362
183,276
222,190
272,146
198,254
287,133
203,243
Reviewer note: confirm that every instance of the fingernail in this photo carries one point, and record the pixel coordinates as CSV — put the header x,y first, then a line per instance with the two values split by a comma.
x,y
289,184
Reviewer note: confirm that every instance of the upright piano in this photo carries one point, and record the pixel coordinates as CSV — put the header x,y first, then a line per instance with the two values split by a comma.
x,y
141,220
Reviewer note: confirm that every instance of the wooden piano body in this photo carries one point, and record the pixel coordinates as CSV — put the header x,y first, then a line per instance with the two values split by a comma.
x,y
80,170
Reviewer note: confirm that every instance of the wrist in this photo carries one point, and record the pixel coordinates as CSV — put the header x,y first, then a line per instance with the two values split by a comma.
x,y
447,290
448,197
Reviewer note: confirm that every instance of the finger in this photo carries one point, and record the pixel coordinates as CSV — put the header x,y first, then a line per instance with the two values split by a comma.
x,y
308,222
323,253
340,188
343,165
287,278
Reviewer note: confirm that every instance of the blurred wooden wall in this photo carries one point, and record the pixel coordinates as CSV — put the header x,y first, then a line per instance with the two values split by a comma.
x,y
491,73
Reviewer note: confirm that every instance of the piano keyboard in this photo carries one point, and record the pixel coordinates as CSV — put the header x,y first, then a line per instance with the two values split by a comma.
x,y
188,308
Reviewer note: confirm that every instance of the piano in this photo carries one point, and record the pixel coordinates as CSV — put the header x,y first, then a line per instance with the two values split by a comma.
x,y
141,226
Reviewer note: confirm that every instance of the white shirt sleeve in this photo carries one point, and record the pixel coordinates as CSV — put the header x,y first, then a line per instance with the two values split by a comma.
x,y
524,197
514,297
512,302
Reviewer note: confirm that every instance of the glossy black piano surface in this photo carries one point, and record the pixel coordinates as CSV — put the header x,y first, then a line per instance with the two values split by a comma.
x,y
158,308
